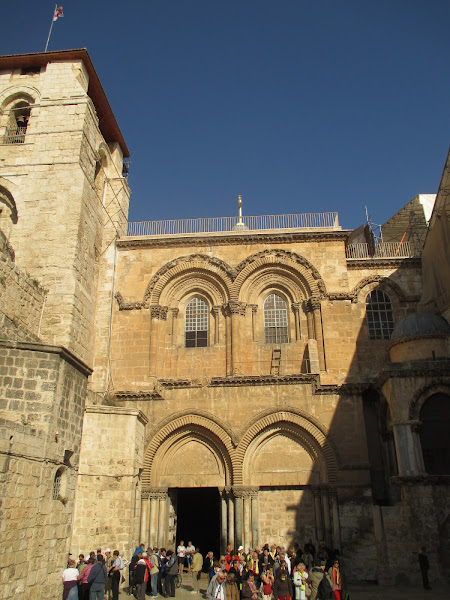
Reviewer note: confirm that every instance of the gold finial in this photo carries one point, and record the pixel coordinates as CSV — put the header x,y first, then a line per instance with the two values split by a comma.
x,y
240,208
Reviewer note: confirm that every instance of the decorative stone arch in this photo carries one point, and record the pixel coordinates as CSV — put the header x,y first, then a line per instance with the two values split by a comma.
x,y
422,395
7,200
199,425
213,269
189,284
299,422
382,283
298,267
15,93
279,277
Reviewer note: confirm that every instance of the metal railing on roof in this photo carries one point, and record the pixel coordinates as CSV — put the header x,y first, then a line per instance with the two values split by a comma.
x,y
383,250
327,220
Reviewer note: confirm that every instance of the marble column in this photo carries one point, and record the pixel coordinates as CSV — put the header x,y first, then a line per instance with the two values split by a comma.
x,y
154,515
247,528
163,522
238,517
317,319
296,310
309,319
254,308
326,515
231,539
216,312
255,518
174,312
223,521
336,525
236,310
157,313
318,515
145,509
408,449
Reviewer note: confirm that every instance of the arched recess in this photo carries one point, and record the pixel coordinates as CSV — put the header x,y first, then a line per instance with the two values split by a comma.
x,y
281,277
8,207
193,282
366,285
433,432
284,454
299,425
422,395
14,94
177,431
296,267
212,269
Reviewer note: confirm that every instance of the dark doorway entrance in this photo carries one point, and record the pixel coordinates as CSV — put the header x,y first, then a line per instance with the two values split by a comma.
x,y
198,518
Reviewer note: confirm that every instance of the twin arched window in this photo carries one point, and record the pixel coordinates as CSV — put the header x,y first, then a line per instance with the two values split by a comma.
x,y
275,320
196,325
380,318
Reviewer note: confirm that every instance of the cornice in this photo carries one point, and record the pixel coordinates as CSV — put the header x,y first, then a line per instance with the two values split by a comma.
x,y
413,480
419,368
231,239
377,263
141,396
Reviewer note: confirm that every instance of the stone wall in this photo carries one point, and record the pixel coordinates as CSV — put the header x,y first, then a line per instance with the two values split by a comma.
x,y
42,393
107,510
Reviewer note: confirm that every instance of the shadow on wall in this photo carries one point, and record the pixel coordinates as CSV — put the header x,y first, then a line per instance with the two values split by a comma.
x,y
384,502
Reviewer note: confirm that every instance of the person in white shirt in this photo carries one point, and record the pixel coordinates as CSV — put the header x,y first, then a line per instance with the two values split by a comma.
x,y
70,579
181,554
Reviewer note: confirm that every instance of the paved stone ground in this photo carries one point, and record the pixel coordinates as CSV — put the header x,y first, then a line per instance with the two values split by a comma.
x,y
357,592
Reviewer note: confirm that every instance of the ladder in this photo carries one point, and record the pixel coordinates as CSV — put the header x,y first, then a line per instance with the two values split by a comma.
x,y
276,361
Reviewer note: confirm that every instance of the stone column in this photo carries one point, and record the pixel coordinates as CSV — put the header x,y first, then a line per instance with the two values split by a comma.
x,y
247,528
145,508
336,525
235,309
309,319
174,312
317,319
231,520
407,447
154,516
318,514
238,517
227,340
157,313
216,311
223,521
254,308
163,523
296,310
326,515
255,518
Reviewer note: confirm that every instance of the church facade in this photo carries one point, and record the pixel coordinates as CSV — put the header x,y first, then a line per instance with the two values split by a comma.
x,y
262,380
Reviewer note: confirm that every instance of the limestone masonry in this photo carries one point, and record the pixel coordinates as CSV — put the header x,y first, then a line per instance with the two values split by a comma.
x,y
259,384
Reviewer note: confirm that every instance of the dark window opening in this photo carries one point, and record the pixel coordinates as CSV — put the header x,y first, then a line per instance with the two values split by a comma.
x,y
379,314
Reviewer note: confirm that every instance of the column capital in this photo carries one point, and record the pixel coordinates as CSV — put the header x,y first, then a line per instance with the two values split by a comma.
x,y
158,312
174,312
312,304
254,308
155,493
216,309
296,306
245,491
234,307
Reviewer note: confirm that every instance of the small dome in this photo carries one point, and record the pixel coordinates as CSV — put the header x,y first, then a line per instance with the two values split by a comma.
x,y
417,324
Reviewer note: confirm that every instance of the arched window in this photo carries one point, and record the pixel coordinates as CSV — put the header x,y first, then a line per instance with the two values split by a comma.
x,y
56,493
196,327
434,438
380,319
275,320
18,123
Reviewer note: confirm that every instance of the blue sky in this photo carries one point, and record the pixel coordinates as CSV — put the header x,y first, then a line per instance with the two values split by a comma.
x,y
299,106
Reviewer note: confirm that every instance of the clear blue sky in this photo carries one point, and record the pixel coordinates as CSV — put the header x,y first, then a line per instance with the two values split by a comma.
x,y
300,106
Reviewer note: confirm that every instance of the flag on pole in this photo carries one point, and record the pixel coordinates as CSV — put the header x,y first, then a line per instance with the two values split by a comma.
x,y
58,13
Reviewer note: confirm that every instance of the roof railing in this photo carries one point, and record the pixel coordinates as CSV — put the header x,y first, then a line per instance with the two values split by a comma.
x,y
327,220
362,251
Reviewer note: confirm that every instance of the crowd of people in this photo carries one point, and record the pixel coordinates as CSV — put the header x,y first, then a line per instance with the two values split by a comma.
x,y
267,573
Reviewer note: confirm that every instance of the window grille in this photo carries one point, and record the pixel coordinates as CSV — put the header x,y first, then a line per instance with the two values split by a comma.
x,y
15,135
380,318
275,320
57,485
196,327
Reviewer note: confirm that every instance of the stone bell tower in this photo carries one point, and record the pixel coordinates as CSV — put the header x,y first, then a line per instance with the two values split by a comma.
x,y
62,186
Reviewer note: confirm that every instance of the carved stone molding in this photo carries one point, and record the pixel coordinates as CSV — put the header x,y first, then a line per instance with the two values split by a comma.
x,y
380,263
158,312
383,282
234,307
126,305
154,494
139,395
245,492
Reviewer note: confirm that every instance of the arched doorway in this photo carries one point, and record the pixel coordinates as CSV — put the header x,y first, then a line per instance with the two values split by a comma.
x,y
187,466
434,436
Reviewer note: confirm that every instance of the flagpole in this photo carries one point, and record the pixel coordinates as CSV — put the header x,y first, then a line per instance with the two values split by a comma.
x,y
51,26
